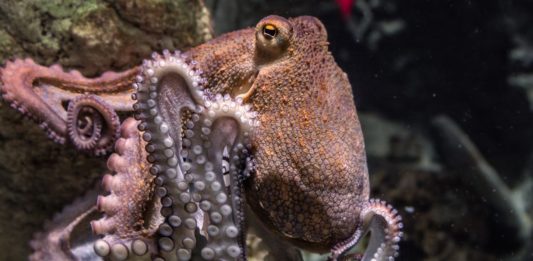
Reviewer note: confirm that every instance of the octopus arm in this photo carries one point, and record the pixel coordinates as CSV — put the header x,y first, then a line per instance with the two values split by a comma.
x,y
131,211
176,187
197,145
384,225
46,93
167,90
66,237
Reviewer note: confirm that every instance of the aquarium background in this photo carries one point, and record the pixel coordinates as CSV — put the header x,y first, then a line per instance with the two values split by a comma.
x,y
444,91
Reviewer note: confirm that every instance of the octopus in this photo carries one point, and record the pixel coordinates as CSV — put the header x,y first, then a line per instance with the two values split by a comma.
x,y
261,119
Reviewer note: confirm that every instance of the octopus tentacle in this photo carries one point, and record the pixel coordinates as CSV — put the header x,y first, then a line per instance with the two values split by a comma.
x,y
166,87
65,237
193,140
385,227
384,224
216,145
40,92
93,126
131,212
177,188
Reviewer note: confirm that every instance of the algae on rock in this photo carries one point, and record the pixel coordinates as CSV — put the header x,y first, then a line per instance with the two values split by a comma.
x,y
37,176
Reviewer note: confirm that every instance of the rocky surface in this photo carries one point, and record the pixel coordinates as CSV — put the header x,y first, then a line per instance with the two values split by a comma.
x,y
38,177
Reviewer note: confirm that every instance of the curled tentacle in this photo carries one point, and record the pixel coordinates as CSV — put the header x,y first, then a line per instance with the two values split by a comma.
x,y
40,92
384,224
131,211
385,228
93,126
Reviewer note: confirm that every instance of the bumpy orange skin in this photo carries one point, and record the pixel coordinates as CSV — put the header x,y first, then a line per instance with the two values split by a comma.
x,y
311,177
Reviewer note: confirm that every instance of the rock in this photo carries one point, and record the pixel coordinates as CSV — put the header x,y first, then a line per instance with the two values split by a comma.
x,y
38,177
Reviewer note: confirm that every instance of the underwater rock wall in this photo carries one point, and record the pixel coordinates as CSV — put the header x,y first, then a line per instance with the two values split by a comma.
x,y
38,177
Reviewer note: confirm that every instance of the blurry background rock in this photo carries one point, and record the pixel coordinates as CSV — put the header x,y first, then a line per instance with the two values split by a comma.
x,y
38,177
408,61
519,21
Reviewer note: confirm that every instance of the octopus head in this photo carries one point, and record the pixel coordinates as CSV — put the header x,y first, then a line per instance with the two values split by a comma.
x,y
266,56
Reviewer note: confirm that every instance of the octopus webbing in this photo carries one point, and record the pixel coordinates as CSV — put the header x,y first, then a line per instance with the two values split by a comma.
x,y
259,117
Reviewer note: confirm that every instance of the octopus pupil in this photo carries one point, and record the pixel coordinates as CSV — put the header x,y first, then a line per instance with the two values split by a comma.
x,y
270,32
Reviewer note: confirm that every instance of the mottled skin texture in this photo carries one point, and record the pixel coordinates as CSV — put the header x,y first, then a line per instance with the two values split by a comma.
x,y
311,178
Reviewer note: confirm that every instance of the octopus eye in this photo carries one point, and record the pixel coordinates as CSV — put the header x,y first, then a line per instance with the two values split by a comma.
x,y
270,31
273,35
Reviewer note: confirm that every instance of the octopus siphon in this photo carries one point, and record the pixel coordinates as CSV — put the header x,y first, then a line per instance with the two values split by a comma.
x,y
261,118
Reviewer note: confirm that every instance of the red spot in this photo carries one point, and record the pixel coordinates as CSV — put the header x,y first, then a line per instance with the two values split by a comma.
x,y
346,7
